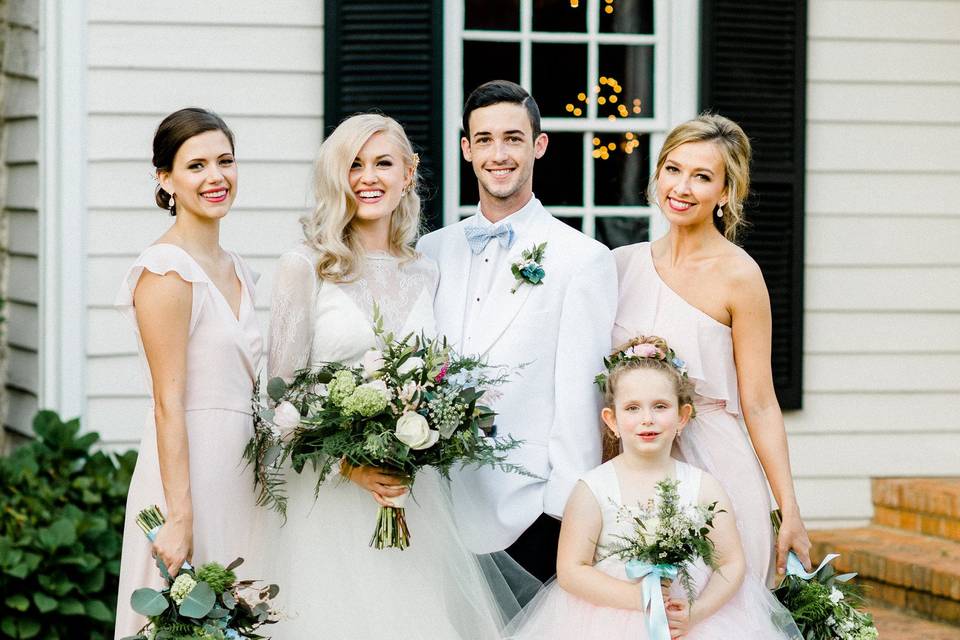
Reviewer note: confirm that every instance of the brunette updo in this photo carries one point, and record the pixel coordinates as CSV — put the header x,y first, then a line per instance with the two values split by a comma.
x,y
177,128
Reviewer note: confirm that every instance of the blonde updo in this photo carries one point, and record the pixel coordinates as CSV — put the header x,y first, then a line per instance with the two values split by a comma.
x,y
735,150
327,229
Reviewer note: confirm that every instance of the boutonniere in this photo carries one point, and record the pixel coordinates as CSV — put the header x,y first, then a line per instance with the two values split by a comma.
x,y
529,268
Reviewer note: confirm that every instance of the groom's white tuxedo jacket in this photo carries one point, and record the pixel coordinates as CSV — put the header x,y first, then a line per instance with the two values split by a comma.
x,y
561,330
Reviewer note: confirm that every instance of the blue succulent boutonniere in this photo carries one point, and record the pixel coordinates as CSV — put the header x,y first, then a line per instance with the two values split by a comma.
x,y
529,268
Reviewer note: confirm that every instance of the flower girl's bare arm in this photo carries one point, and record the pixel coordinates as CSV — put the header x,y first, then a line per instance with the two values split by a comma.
x,y
582,522
726,579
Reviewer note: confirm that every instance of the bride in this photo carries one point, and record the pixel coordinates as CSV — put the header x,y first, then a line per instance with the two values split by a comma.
x,y
356,254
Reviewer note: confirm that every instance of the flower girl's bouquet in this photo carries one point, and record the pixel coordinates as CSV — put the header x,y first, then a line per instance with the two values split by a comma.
x,y
207,603
825,605
667,538
411,404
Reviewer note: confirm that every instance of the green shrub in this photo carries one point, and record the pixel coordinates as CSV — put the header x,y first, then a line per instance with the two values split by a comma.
x,y
61,523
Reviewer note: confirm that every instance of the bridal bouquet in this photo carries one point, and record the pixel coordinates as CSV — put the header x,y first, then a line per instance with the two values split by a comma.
x,y
824,605
413,403
667,537
208,603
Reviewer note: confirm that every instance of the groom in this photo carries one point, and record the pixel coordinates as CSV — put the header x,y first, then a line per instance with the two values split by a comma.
x,y
560,327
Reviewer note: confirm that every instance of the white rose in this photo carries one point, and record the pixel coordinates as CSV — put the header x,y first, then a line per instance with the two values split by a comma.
x,y
835,595
286,417
410,364
372,362
650,525
413,431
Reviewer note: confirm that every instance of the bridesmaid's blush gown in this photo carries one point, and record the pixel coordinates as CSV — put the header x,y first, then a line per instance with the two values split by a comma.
x,y
223,359
715,440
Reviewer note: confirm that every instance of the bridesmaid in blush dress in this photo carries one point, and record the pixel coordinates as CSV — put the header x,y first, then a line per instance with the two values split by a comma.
x,y
192,307
707,298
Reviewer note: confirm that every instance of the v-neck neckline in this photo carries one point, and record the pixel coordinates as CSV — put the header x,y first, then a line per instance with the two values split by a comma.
x,y
237,316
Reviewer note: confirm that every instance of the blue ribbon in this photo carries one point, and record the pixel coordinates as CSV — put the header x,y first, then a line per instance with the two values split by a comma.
x,y
795,567
653,605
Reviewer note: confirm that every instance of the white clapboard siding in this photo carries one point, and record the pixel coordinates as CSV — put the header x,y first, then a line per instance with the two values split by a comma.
x,y
873,412
882,282
259,65
21,153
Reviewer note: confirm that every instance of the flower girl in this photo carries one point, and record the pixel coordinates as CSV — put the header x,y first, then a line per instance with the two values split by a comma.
x,y
648,402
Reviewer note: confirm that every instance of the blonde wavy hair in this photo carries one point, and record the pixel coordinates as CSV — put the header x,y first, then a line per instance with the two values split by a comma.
x,y
328,229
734,147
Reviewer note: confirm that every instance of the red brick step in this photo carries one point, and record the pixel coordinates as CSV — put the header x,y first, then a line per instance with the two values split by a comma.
x,y
923,505
900,568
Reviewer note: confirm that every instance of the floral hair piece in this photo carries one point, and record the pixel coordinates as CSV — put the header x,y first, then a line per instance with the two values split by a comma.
x,y
635,351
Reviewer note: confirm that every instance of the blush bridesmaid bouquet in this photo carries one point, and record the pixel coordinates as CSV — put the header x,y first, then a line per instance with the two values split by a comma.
x,y
207,603
667,537
411,404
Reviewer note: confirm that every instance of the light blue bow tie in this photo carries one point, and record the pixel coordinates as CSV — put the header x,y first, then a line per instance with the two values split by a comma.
x,y
478,236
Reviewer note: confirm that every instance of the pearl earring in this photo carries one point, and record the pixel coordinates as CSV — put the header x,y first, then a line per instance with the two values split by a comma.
x,y
719,210
173,202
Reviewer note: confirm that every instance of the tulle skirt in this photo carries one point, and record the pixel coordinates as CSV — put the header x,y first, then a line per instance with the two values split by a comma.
x,y
554,614
334,586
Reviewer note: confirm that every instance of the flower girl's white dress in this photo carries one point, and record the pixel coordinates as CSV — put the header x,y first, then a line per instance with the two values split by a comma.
x,y
555,614
332,584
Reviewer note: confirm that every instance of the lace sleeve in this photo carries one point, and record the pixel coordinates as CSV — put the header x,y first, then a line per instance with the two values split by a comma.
x,y
291,317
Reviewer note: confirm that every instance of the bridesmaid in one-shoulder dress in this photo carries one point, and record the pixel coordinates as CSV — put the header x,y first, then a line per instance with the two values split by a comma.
x,y
707,298
192,307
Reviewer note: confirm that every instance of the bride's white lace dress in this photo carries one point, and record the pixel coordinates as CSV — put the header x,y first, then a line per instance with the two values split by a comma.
x,y
332,584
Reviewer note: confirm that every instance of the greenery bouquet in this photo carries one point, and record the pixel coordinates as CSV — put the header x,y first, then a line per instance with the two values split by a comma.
x,y
208,603
667,537
412,403
825,605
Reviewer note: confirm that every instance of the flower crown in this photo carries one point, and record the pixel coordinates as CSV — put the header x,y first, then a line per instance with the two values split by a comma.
x,y
636,352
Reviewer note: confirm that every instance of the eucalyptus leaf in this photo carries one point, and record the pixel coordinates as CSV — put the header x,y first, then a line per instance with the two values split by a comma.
x,y
276,388
198,602
148,602
217,613
229,600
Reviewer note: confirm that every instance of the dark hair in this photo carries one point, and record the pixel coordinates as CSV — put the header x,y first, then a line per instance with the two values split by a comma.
x,y
495,92
177,128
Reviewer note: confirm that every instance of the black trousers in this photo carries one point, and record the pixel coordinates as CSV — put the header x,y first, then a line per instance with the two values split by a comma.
x,y
536,548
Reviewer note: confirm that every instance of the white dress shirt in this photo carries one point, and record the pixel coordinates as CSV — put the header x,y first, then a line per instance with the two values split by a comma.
x,y
484,266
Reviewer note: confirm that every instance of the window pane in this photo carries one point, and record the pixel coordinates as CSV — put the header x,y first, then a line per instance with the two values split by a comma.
x,y
621,169
469,195
617,231
626,16
625,86
560,15
502,15
573,221
559,71
485,61
558,177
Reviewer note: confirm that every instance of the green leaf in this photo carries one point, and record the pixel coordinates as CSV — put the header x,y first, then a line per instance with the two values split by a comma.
x,y
18,602
9,627
61,533
276,388
98,611
71,607
198,602
27,629
44,602
148,602
229,600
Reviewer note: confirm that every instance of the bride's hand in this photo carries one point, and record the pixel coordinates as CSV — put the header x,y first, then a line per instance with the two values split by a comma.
x,y
793,535
381,484
679,618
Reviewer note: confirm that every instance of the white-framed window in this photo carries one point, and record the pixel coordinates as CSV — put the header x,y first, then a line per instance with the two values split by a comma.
x,y
611,77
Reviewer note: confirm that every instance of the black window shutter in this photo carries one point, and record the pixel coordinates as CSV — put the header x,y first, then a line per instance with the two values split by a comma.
x,y
753,70
387,56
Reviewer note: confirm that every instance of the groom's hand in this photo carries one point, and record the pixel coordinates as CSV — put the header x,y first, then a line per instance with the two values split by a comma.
x,y
379,483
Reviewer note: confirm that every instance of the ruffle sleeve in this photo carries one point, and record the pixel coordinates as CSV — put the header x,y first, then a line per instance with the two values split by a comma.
x,y
161,259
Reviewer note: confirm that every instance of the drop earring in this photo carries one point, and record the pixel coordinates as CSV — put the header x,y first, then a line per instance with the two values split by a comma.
x,y
719,210
173,203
